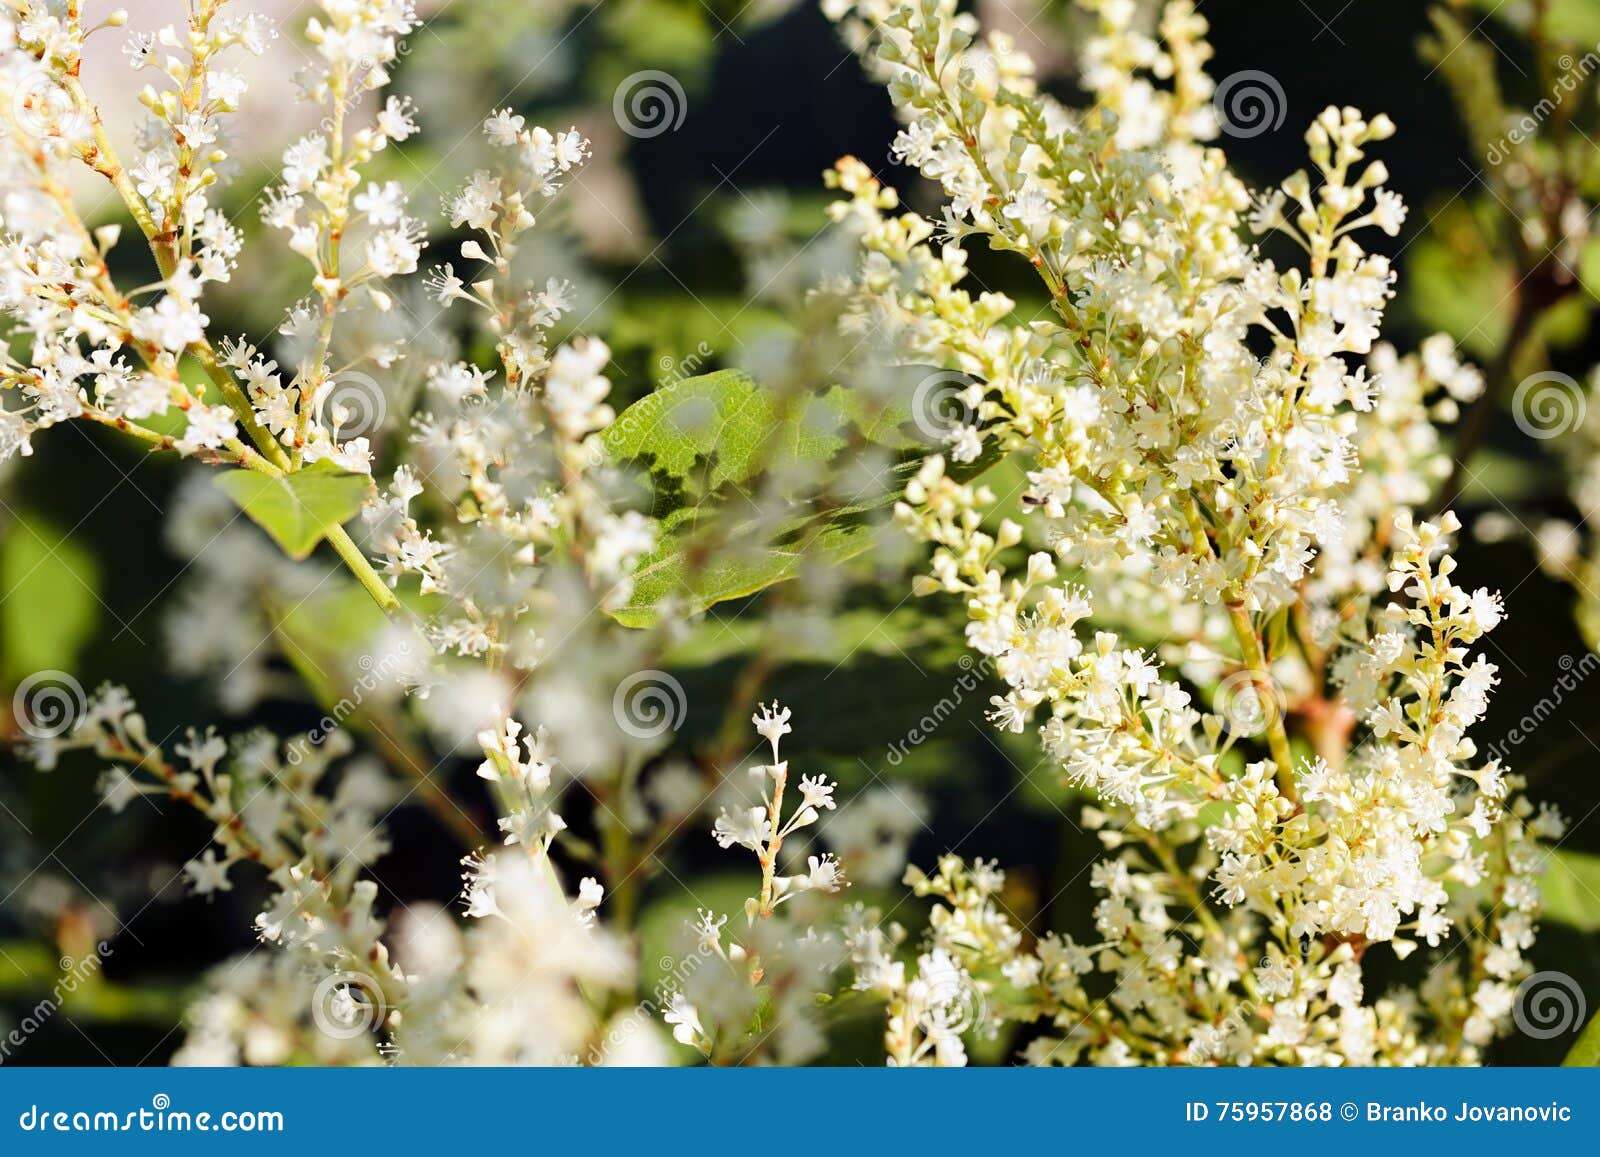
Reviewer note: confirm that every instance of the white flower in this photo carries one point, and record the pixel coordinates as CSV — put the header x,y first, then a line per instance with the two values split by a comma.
x,y
503,128
208,874
685,1021
209,427
746,827
383,204
817,792
772,723
396,121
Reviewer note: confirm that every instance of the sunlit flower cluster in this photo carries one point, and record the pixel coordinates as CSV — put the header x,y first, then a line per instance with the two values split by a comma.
x,y
1279,756
778,958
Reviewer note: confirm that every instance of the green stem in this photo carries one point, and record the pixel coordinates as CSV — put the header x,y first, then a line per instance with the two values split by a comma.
x,y
371,582
1255,661
233,394
616,850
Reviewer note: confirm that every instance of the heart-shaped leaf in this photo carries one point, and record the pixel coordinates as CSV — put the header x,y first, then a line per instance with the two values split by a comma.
x,y
298,509
703,438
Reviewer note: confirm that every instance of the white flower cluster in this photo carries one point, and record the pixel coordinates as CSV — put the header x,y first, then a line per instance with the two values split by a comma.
x,y
779,965
356,239
1161,452
517,468
99,353
500,207
271,806
552,497
763,829
530,955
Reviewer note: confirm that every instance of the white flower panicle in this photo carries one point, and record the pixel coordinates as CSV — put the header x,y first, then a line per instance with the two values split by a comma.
x,y
538,531
783,956
763,828
271,805
531,954
98,352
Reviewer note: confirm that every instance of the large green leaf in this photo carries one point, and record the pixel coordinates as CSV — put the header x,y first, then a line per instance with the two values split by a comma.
x,y
831,537
910,628
1571,889
722,418
702,440
722,428
298,509
48,599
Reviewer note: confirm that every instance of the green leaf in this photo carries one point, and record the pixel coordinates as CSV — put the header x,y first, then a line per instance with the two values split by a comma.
x,y
298,509
1571,889
863,630
1585,1052
723,428
668,572
49,601
704,438
1568,21
722,417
